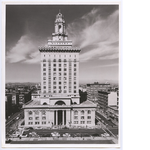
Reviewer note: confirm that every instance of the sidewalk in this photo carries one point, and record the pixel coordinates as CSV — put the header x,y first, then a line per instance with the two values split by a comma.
x,y
64,138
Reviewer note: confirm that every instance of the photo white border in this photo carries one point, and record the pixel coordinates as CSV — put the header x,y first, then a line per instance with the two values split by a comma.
x,y
57,2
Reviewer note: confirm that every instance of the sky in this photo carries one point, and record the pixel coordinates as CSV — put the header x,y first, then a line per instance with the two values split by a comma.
x,y
93,28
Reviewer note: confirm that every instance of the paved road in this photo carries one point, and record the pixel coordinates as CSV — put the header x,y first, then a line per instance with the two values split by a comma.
x,y
12,119
105,120
65,142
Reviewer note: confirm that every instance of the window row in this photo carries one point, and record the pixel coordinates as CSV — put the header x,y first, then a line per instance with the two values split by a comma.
x,y
82,117
82,112
82,122
31,123
60,60
37,118
37,112
61,83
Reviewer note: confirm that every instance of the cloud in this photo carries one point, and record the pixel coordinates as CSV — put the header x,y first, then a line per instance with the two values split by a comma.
x,y
25,50
96,35
101,32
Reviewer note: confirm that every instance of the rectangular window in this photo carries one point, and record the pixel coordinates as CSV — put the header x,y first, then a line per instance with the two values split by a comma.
x,y
59,74
44,69
59,65
59,69
74,87
75,65
82,122
43,122
54,87
37,122
30,122
54,83
74,69
44,65
44,87
44,82
74,74
65,69
74,78
54,78
54,74
44,78
74,82
75,117
54,69
54,65
74,91
59,78
65,65
89,117
59,82
65,74
75,122
88,122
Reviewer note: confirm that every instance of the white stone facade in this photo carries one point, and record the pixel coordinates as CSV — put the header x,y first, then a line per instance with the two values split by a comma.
x,y
59,101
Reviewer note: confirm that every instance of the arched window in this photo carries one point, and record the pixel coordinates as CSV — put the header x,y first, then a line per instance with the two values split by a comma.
x,y
82,112
89,111
60,103
45,103
75,112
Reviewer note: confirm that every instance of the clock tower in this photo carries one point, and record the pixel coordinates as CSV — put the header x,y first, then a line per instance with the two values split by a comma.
x,y
60,34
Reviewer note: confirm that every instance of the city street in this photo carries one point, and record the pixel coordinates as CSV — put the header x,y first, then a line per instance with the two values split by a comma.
x,y
110,124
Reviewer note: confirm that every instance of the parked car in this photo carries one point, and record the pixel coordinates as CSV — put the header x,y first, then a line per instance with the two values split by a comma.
x,y
66,135
55,134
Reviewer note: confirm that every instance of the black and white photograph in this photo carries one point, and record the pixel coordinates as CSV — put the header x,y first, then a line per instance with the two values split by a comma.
x,y
62,75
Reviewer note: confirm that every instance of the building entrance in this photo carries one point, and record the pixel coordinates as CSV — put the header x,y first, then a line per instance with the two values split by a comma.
x,y
60,117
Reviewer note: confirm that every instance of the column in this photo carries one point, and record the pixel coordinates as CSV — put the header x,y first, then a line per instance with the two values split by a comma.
x,y
63,117
56,117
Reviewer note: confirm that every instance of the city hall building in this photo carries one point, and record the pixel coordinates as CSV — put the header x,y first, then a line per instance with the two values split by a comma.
x,y
59,102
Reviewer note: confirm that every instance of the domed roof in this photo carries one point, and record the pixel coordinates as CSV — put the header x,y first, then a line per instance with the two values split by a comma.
x,y
60,17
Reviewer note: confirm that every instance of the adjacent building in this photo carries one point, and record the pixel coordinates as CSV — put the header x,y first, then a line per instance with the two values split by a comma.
x,y
59,101
106,99
92,90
